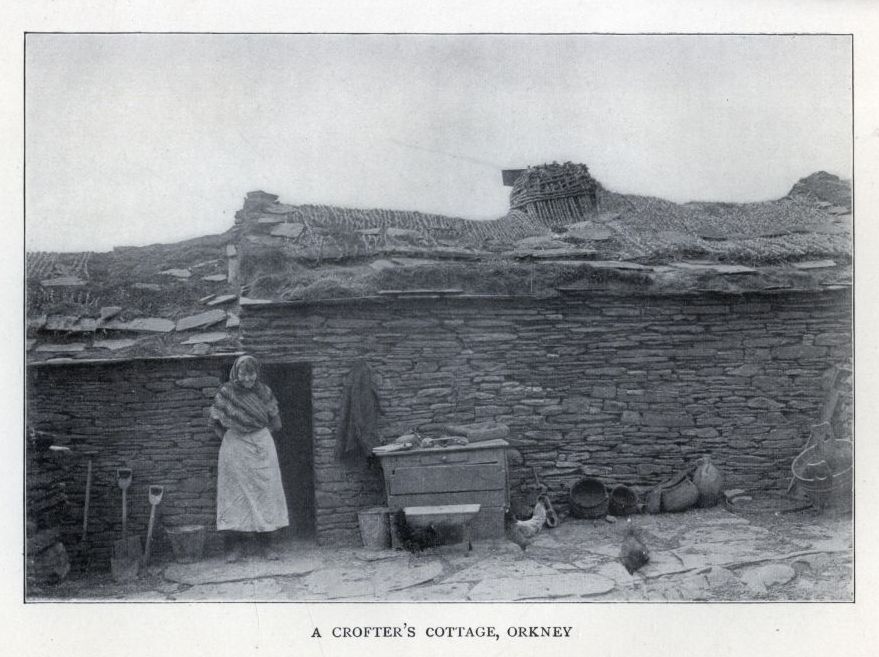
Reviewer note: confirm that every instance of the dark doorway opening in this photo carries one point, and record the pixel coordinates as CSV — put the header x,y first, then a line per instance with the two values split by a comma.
x,y
291,383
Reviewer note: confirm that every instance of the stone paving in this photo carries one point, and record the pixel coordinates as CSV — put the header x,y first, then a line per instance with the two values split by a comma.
x,y
709,554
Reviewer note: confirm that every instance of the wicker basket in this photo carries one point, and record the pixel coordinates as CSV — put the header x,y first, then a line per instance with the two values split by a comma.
x,y
588,498
680,496
821,490
623,501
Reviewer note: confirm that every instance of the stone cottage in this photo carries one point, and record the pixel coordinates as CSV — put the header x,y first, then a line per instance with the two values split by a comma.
x,y
617,336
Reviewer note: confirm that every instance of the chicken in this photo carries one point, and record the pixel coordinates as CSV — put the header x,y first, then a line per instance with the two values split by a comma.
x,y
522,532
633,553
415,539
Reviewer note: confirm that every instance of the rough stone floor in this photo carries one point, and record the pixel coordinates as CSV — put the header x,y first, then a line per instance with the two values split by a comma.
x,y
703,554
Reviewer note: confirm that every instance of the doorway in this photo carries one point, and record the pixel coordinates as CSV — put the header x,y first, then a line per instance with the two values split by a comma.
x,y
291,383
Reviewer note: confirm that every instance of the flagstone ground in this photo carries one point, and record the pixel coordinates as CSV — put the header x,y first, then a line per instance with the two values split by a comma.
x,y
755,554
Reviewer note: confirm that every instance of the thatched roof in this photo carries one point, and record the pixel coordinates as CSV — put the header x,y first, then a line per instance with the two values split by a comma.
x,y
174,299
314,252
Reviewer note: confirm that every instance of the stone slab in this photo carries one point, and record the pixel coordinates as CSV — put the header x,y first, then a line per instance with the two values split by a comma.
x,y
61,322
223,298
381,555
108,312
618,264
762,578
279,208
391,576
214,278
589,562
403,233
287,230
586,230
246,591
694,587
719,576
201,338
545,587
617,572
662,563
63,281
114,345
717,268
453,592
355,582
86,325
815,264
213,571
201,320
150,325
607,549
381,265
177,273
62,348
500,567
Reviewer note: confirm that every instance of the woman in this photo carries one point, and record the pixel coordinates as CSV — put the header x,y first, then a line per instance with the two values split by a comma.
x,y
250,495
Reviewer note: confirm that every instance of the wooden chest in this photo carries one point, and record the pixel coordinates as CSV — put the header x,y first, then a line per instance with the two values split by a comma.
x,y
468,474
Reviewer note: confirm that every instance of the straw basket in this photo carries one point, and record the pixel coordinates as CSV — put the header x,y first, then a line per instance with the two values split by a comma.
x,y
588,498
822,490
680,496
623,501
187,541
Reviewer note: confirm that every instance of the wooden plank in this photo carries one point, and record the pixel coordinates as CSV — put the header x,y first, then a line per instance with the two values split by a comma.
x,y
485,498
442,509
486,444
446,478
492,456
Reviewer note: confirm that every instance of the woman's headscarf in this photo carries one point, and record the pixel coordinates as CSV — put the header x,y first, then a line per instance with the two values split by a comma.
x,y
244,409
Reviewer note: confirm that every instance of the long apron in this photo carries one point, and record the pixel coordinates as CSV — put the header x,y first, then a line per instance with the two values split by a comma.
x,y
250,495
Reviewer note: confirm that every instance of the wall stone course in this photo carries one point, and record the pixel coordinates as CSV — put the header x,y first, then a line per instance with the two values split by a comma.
x,y
636,387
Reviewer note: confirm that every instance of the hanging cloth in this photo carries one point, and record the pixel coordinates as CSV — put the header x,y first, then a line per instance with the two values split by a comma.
x,y
357,431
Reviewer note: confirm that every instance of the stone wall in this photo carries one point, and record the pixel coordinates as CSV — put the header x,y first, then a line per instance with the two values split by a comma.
x,y
626,388
147,415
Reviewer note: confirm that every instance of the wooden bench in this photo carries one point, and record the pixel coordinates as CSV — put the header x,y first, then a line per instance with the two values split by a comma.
x,y
451,514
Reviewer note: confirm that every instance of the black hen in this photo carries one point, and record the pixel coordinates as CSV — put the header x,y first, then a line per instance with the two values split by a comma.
x,y
415,539
633,553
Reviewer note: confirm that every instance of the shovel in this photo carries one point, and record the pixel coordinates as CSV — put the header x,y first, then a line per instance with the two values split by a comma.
x,y
155,494
126,553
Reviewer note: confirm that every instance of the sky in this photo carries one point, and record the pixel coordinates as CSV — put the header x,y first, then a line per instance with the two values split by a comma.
x,y
138,139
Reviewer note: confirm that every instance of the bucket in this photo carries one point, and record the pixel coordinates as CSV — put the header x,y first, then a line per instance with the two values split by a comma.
x,y
375,531
588,499
187,541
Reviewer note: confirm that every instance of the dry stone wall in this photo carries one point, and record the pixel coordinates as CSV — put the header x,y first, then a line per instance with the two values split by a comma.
x,y
147,415
628,389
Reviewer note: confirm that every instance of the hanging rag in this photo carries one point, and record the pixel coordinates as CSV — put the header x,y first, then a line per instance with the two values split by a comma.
x,y
357,431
